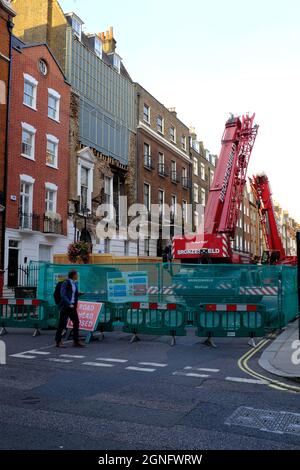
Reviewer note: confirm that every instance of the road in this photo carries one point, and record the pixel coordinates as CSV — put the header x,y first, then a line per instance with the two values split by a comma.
x,y
147,395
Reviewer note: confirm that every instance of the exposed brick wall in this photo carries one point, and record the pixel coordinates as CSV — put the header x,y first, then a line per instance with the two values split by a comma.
x,y
27,62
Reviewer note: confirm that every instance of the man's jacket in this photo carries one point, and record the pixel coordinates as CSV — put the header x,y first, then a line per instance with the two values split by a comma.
x,y
66,293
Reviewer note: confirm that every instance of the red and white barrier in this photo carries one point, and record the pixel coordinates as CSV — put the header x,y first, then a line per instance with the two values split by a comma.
x,y
33,302
230,308
152,306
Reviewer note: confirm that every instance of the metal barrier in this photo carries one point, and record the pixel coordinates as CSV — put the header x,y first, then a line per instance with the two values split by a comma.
x,y
22,313
215,320
155,319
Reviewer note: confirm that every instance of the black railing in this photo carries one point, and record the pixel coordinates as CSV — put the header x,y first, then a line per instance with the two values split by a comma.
x,y
29,221
27,276
162,170
174,177
148,162
53,226
186,182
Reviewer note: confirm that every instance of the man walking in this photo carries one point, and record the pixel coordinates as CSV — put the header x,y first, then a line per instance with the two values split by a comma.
x,y
68,309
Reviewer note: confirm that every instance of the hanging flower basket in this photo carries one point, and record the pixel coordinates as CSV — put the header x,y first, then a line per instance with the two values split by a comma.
x,y
79,252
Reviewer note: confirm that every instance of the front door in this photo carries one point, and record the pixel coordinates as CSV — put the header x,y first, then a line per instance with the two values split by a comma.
x,y
13,263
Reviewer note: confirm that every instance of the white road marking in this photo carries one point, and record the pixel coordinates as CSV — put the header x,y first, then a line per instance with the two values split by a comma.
x,y
153,364
242,380
140,369
201,369
70,356
191,374
39,353
62,361
97,364
22,356
118,361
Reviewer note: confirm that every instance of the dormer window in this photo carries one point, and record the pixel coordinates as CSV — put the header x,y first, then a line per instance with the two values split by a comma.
x,y
77,28
117,62
98,47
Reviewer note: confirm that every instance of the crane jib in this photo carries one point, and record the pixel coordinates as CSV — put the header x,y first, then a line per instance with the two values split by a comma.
x,y
228,173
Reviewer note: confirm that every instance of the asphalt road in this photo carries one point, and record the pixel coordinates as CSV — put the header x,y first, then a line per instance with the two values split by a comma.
x,y
147,395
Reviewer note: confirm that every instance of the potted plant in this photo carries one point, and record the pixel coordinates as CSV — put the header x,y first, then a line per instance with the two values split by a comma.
x,y
78,252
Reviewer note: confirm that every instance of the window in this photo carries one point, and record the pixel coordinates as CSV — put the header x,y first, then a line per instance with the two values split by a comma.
x,y
174,204
147,246
196,193
109,195
53,104
185,182
147,113
28,141
183,142
77,28
147,155
161,164
203,197
98,47
30,91
202,170
52,151
117,62
51,197
212,175
84,188
196,166
161,201
160,124
147,196
26,202
174,171
173,134
196,221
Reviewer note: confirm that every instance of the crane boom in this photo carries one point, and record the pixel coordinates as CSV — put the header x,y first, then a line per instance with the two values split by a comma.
x,y
225,196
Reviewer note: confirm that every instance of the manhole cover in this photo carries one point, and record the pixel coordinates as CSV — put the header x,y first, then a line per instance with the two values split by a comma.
x,y
279,422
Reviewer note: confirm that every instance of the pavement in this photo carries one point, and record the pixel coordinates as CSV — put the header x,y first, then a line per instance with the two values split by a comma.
x,y
114,395
282,356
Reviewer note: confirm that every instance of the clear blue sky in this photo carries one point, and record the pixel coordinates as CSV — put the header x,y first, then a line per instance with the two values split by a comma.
x,y
211,57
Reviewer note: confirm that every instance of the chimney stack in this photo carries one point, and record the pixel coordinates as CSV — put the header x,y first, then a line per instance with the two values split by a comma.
x,y
173,111
109,43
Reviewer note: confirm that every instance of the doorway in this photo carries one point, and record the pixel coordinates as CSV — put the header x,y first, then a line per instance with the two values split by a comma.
x,y
13,263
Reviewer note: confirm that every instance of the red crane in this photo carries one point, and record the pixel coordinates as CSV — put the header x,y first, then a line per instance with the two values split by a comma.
x,y
225,197
275,253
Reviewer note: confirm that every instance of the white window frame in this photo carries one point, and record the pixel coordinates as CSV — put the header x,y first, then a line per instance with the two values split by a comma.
x,y
202,172
54,140
183,142
174,204
162,209
54,94
77,31
86,160
149,202
109,180
174,140
34,83
196,166
31,130
148,120
203,197
26,179
98,47
162,131
117,62
184,210
196,192
53,188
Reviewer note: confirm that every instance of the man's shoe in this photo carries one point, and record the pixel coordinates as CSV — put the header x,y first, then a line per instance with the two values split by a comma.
x,y
60,345
79,344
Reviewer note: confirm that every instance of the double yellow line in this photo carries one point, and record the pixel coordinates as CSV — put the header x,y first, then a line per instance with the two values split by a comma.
x,y
244,366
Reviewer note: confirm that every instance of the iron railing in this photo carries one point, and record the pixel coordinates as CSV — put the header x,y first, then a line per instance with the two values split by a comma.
x,y
186,182
148,162
29,221
162,170
53,226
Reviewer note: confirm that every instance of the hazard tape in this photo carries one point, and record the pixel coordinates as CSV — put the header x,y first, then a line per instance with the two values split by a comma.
x,y
152,306
230,308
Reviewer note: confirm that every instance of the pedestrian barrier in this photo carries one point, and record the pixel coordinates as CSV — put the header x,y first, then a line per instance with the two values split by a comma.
x,y
239,320
165,299
155,319
23,313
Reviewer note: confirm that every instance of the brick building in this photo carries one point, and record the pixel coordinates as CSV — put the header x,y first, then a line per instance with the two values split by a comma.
x,y
204,165
163,166
103,121
38,158
6,24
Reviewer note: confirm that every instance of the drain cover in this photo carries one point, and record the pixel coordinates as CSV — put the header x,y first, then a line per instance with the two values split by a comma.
x,y
279,422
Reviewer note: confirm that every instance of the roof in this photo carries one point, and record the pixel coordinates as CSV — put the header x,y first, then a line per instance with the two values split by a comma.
x,y
17,44
7,6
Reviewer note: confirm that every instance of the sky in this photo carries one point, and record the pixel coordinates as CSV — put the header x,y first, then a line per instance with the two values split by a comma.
x,y
209,58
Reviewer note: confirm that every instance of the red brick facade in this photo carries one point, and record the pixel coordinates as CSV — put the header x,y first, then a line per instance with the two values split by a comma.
x,y
25,61
6,16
